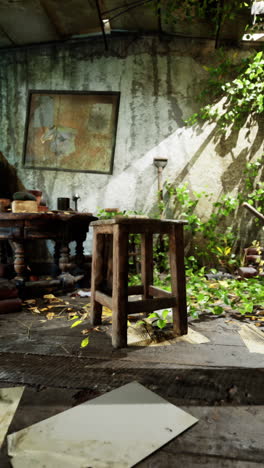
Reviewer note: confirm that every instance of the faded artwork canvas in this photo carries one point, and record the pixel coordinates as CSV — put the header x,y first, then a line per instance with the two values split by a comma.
x,y
71,131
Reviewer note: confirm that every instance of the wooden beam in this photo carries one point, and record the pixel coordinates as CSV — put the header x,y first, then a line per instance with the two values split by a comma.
x,y
138,289
148,305
101,23
158,292
7,35
103,299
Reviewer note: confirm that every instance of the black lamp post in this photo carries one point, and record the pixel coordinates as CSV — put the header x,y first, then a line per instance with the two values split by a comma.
x,y
160,163
75,199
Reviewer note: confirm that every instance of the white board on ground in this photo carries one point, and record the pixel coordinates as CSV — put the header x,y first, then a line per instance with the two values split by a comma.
x,y
117,429
253,338
9,400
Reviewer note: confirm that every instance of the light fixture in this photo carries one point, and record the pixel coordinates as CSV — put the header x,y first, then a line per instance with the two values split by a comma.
x,y
75,199
160,164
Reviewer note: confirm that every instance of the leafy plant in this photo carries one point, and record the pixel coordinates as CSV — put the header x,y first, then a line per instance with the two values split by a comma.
x,y
243,95
189,10
213,241
159,321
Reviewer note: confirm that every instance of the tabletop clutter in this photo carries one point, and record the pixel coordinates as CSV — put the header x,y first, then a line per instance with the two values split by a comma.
x,y
30,201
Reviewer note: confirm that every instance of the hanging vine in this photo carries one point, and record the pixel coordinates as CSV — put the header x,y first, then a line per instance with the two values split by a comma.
x,y
243,96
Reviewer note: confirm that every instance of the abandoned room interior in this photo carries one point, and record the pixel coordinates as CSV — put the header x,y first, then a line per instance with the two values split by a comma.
x,y
131,233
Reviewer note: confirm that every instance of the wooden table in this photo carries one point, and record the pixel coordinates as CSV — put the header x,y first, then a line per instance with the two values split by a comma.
x,y
63,228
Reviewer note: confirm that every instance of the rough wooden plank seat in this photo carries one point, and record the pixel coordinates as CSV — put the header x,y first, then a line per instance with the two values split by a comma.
x,y
153,298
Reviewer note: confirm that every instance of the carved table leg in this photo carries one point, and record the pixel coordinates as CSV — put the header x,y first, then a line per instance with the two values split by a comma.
x,y
56,254
79,251
19,261
64,260
2,252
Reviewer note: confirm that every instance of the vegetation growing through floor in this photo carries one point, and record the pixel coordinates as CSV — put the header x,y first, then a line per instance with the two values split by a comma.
x,y
214,241
212,246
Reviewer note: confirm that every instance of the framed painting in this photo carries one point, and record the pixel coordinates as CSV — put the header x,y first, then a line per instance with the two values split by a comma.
x,y
71,131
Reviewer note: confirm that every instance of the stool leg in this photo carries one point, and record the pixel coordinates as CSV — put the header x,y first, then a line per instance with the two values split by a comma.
x,y
178,283
146,263
97,276
120,287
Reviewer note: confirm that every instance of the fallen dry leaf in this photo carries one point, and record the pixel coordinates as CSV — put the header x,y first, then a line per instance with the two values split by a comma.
x,y
88,330
30,301
35,310
43,309
72,314
52,298
50,315
49,296
106,311
84,316
52,306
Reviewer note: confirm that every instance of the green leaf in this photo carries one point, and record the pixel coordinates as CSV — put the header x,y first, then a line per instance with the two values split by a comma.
x,y
165,313
76,323
161,323
154,315
218,310
85,342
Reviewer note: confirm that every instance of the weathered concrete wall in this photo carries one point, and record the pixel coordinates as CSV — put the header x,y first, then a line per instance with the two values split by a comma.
x,y
158,81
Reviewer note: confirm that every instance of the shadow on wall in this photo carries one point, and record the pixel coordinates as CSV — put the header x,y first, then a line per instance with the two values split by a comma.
x,y
236,148
223,146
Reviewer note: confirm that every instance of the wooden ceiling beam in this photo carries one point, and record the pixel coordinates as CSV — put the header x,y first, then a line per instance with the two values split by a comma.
x,y
51,18
124,6
7,35
101,23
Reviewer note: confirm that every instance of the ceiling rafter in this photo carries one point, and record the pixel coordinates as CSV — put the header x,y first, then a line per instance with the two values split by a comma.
x,y
144,2
51,18
101,23
135,3
7,35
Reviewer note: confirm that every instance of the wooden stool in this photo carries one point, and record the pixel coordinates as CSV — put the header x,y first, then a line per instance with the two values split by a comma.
x,y
153,298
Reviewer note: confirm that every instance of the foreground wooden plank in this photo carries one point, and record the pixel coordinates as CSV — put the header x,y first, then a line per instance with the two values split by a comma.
x,y
223,437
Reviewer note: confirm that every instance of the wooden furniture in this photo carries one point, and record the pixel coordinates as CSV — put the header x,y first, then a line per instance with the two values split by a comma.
x,y
63,228
153,298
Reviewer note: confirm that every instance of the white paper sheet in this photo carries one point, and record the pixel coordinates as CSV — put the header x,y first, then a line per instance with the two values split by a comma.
x,y
253,338
9,400
117,429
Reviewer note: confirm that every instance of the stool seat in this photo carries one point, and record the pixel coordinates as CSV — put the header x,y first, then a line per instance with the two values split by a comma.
x,y
116,298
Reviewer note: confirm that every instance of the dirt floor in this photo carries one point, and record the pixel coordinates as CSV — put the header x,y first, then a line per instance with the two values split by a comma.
x,y
218,380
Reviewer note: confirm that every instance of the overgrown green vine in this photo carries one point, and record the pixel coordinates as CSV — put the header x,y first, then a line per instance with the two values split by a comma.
x,y
243,96
213,10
